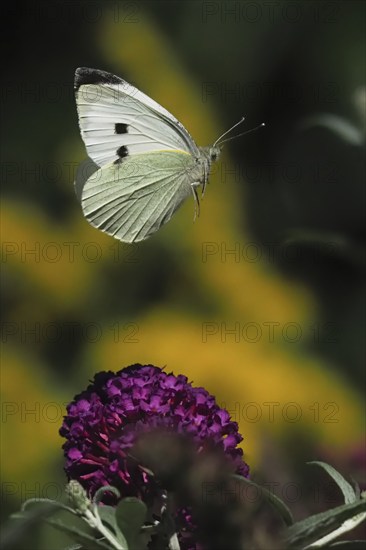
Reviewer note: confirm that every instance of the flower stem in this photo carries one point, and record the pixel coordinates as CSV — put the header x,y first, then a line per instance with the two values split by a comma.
x,y
173,542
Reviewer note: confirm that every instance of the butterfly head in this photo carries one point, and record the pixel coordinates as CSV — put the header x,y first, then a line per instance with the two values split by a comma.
x,y
214,152
209,154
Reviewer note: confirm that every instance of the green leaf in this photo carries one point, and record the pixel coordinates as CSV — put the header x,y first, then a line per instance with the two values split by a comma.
x,y
131,515
336,124
39,501
347,545
334,243
81,537
276,502
99,494
22,523
107,514
309,530
347,489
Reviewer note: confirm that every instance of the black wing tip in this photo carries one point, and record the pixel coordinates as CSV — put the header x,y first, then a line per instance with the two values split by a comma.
x,y
84,75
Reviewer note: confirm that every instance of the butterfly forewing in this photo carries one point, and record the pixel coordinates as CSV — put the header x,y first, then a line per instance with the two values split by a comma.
x,y
117,120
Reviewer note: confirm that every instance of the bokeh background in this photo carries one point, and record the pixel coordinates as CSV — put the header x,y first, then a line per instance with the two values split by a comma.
x,y
273,329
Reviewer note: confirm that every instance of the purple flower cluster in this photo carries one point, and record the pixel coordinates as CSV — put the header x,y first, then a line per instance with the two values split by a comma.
x,y
104,422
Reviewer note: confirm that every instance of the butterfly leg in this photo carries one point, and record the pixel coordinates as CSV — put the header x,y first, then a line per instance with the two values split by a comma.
x,y
205,181
196,202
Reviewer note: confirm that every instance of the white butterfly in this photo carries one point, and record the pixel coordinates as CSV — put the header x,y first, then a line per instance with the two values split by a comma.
x,y
149,163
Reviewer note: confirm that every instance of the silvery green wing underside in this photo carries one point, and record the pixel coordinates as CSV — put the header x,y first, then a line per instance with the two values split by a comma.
x,y
132,199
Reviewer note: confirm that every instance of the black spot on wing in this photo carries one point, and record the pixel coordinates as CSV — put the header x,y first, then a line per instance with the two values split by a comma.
x,y
122,152
120,128
83,75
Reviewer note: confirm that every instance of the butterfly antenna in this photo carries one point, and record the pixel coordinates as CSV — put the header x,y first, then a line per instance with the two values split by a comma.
x,y
229,130
244,133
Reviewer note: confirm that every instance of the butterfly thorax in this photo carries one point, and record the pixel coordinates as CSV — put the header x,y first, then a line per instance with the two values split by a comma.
x,y
207,156
200,172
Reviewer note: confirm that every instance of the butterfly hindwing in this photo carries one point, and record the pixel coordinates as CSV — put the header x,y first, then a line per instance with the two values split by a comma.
x,y
117,120
132,199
